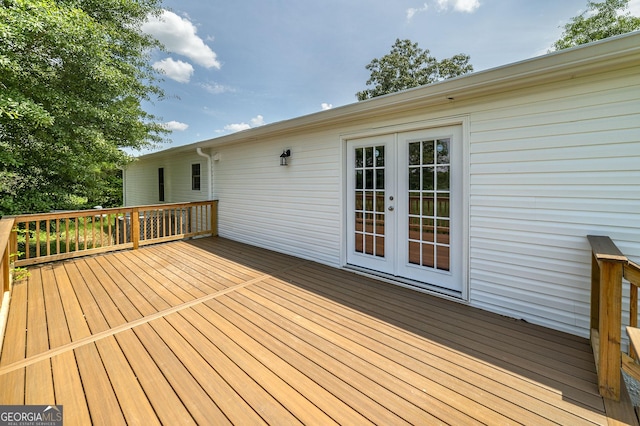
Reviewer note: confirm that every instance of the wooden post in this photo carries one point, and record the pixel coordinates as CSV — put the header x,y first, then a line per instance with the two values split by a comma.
x,y
595,293
6,268
214,218
610,329
606,312
633,313
135,228
6,245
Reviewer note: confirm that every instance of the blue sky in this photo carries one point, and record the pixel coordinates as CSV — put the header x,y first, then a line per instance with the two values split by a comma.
x,y
234,65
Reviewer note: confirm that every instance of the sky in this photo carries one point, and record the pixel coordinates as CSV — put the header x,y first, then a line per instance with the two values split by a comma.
x,y
233,65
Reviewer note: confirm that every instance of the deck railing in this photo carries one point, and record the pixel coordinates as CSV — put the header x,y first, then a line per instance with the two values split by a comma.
x,y
46,237
608,267
6,225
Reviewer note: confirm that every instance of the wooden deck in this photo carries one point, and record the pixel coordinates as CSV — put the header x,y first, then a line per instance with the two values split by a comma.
x,y
210,331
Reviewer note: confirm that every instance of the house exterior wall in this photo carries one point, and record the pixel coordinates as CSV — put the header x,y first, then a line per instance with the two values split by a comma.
x,y
141,180
294,209
546,166
549,166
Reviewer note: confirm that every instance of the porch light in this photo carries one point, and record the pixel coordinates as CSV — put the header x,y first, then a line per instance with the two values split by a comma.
x,y
283,158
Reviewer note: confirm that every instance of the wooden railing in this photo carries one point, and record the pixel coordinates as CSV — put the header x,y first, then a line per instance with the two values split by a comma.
x,y
608,267
6,225
46,237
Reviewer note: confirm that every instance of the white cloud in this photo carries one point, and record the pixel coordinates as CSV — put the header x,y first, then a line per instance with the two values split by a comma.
x,y
175,70
179,36
468,6
256,121
325,106
216,89
237,127
176,126
411,12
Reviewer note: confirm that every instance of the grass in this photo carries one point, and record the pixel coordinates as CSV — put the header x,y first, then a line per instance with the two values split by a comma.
x,y
65,235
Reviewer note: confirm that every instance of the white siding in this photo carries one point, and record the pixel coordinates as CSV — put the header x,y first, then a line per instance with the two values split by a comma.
x,y
294,209
141,181
549,166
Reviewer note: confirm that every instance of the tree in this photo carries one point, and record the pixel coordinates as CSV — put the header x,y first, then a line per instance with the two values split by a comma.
x,y
407,66
73,75
601,20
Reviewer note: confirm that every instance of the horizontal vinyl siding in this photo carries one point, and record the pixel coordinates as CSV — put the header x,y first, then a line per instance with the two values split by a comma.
x,y
294,209
141,183
142,180
547,168
548,165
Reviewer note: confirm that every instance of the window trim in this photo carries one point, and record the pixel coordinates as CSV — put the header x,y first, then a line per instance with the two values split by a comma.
x,y
196,179
161,184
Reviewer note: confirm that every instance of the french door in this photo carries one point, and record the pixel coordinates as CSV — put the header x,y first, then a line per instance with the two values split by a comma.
x,y
404,206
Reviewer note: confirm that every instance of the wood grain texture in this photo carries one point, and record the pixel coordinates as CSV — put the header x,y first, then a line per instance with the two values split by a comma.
x,y
214,331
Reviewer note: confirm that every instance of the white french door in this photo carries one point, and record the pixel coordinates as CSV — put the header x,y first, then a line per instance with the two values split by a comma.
x,y
404,206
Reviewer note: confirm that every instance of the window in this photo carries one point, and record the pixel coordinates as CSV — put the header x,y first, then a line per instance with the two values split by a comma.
x,y
161,184
195,177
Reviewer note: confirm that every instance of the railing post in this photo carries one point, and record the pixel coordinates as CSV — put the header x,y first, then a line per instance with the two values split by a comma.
x,y
6,246
595,293
6,268
135,228
610,329
606,313
214,218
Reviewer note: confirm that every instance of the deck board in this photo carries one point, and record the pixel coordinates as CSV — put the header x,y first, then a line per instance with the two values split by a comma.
x,y
214,331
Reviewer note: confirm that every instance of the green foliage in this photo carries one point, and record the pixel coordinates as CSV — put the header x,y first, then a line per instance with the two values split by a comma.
x,y
407,66
18,273
601,20
73,75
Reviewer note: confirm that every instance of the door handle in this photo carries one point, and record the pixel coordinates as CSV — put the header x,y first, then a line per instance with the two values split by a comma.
x,y
390,208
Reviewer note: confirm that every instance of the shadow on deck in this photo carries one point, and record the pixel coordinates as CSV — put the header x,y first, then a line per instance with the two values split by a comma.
x,y
211,331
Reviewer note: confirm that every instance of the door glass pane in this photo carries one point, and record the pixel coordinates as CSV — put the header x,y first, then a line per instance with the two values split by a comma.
x,y
414,203
359,222
368,223
429,186
428,259
368,244
414,179
369,199
427,152
380,201
359,152
443,205
428,174
443,178
380,179
368,156
368,181
380,156
379,246
359,200
443,257
428,230
414,253
414,153
442,150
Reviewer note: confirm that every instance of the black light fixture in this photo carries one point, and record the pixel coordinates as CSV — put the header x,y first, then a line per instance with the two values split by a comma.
x,y
283,158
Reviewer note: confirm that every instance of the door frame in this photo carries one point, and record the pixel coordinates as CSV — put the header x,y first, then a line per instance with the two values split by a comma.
x,y
463,122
